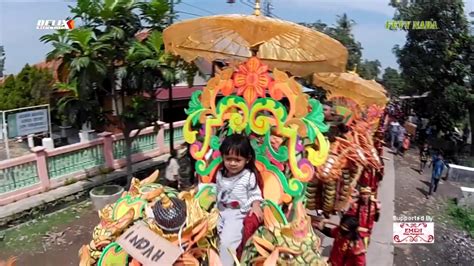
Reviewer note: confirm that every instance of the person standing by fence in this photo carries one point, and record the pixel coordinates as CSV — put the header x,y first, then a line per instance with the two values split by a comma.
x,y
172,171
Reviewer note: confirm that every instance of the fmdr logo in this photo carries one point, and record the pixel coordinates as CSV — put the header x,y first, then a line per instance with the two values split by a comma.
x,y
51,24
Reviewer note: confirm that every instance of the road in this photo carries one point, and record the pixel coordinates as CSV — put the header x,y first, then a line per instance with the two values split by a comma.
x,y
452,246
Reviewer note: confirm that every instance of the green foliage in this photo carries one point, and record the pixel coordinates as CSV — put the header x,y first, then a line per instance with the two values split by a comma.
x,y
392,81
32,86
116,54
152,12
343,33
437,61
369,69
462,217
105,52
139,113
318,26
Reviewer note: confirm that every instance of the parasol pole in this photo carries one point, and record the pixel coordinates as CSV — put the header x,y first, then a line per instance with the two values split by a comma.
x,y
257,8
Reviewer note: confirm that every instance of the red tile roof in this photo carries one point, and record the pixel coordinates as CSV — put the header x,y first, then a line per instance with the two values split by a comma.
x,y
52,65
179,93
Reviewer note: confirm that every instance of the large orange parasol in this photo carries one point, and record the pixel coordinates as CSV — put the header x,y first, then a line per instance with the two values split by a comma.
x,y
349,85
235,38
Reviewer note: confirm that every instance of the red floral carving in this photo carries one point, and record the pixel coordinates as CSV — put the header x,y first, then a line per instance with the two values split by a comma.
x,y
251,80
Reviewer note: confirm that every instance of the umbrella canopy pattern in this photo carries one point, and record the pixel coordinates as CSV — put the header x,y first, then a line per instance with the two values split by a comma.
x,y
235,38
349,85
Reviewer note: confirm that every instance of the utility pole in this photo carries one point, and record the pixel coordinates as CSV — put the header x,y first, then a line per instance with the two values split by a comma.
x,y
170,89
267,6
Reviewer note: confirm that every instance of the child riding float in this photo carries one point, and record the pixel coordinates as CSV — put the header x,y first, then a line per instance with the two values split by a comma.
x,y
238,193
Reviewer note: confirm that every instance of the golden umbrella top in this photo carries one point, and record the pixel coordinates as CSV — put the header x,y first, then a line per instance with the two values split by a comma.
x,y
235,38
350,85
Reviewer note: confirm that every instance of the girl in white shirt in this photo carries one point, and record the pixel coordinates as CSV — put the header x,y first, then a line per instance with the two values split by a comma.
x,y
238,193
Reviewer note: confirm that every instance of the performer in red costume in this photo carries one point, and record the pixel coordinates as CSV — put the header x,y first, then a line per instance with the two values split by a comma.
x,y
348,248
367,210
370,178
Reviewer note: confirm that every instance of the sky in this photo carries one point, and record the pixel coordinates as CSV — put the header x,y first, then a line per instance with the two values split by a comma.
x,y
20,37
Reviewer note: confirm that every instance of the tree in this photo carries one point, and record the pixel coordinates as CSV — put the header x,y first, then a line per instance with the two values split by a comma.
x,y
318,26
392,81
369,69
32,86
2,60
80,53
118,53
437,61
343,33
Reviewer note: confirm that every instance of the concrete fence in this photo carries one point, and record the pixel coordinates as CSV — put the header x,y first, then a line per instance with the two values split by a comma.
x,y
48,169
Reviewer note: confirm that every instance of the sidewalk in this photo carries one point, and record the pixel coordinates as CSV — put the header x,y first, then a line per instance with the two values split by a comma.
x,y
380,251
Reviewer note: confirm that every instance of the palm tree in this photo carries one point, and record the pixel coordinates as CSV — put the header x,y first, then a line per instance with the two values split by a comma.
x,y
81,56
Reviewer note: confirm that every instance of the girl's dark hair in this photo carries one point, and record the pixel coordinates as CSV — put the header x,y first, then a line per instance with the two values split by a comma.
x,y
240,145
352,223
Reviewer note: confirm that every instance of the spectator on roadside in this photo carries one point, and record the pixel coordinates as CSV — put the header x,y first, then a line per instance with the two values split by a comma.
x,y
172,171
406,144
438,167
185,170
400,138
424,154
394,131
465,134
429,132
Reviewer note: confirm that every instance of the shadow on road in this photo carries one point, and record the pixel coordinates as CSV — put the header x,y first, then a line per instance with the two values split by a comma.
x,y
416,170
426,183
423,191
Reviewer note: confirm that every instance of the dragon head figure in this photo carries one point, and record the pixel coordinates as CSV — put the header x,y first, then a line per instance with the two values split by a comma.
x,y
281,243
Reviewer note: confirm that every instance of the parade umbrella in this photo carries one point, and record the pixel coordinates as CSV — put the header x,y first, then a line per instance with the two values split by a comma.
x,y
350,85
235,38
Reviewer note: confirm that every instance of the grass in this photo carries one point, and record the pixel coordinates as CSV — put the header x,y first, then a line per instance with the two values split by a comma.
x,y
29,236
463,217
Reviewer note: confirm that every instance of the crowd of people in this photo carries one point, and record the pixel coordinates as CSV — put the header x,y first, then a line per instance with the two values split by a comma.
x,y
399,139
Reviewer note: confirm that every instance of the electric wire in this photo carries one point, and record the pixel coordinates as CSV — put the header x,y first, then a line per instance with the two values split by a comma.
x,y
199,8
242,1
188,13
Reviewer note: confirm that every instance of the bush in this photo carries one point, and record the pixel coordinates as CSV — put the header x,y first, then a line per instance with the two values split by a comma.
x,y
32,86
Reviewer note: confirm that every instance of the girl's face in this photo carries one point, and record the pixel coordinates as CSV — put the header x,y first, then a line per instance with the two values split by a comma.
x,y
234,164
